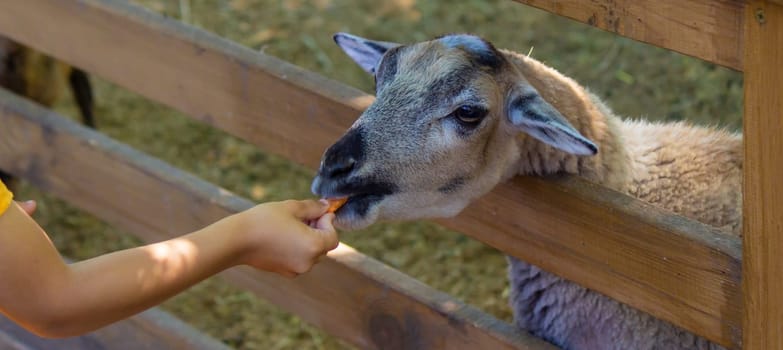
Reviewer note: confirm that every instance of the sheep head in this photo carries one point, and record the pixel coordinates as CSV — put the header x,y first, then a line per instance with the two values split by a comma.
x,y
445,128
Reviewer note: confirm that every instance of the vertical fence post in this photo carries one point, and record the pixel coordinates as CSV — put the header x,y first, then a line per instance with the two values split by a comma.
x,y
763,170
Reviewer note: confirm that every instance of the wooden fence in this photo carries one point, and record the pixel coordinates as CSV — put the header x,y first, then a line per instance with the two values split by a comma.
x,y
672,267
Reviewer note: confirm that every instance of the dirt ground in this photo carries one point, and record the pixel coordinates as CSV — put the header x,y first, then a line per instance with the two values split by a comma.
x,y
636,80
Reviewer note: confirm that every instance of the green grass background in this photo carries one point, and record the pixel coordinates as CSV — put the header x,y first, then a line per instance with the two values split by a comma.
x,y
637,80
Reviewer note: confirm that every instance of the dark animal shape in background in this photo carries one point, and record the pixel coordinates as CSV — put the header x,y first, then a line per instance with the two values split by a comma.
x,y
43,79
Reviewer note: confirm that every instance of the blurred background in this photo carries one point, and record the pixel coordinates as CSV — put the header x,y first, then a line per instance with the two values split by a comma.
x,y
636,80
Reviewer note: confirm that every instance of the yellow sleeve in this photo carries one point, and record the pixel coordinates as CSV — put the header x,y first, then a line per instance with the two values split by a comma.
x,y
5,198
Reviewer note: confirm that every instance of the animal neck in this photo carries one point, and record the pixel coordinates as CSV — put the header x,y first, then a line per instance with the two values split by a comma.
x,y
587,114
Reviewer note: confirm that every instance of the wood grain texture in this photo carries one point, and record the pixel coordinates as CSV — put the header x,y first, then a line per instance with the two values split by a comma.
x,y
348,294
672,267
285,109
150,330
763,193
667,265
707,29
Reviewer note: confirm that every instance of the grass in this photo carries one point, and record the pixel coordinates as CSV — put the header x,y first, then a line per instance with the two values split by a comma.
x,y
636,80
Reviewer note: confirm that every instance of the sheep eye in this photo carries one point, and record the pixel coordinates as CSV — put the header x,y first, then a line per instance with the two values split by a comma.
x,y
469,115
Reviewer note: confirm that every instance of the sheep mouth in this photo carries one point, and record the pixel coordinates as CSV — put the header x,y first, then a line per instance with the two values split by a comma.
x,y
358,204
362,195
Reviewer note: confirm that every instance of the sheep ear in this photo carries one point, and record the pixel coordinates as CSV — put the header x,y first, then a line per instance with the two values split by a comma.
x,y
367,53
530,113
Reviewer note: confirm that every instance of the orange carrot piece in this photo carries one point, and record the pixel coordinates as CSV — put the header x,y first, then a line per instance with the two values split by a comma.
x,y
335,203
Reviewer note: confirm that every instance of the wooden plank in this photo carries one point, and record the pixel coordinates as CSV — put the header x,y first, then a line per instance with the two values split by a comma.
x,y
707,29
672,267
348,294
150,330
283,108
298,114
763,194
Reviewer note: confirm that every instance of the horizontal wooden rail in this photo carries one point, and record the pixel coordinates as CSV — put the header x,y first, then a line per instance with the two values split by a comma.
x,y
350,295
707,29
151,329
669,266
212,79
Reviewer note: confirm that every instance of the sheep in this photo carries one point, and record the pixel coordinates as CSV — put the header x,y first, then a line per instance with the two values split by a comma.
x,y
41,78
454,116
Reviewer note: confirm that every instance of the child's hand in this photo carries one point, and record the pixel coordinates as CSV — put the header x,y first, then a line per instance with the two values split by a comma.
x,y
276,237
28,206
287,237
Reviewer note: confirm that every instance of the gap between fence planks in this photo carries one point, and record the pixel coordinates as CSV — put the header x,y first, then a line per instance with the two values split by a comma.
x,y
348,294
763,193
707,29
672,267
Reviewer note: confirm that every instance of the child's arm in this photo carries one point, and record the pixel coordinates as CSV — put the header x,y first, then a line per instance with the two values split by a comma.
x,y
54,299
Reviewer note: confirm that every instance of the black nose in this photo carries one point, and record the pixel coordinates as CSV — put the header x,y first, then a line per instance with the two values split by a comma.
x,y
338,166
345,156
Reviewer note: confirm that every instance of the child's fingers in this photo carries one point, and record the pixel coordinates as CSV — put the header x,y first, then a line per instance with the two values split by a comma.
x,y
288,274
325,225
308,209
325,222
28,206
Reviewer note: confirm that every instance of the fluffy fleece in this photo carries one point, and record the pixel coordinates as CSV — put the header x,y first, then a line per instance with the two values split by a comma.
x,y
692,171
414,154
